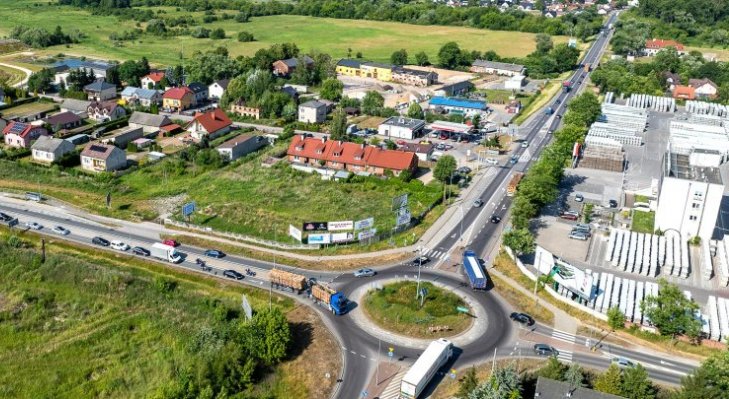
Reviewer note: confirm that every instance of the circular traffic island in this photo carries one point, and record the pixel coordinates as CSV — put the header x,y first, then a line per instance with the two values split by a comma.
x,y
439,313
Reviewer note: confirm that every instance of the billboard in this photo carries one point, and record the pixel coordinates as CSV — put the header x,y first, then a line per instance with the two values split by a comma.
x,y
364,224
315,226
342,237
338,226
365,234
400,201
294,232
319,239
403,217
564,274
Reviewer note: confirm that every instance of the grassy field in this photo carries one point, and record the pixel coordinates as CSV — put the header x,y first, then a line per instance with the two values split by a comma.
x,y
376,40
394,308
13,75
102,325
643,222
24,109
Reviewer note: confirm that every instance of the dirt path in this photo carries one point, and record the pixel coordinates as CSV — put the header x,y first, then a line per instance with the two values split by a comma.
x,y
26,71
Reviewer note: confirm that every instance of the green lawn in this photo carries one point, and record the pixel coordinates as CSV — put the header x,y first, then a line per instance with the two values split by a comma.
x,y
376,40
643,222
394,308
28,108
13,75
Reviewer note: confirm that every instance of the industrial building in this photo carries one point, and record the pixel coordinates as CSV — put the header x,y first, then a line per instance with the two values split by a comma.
x,y
401,127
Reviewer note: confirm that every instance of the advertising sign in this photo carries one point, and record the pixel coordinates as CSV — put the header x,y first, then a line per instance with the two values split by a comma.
x,y
315,226
564,274
342,237
364,224
400,201
338,226
365,234
320,239
294,232
403,217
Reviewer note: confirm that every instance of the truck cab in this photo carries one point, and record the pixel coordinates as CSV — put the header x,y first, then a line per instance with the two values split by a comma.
x,y
338,304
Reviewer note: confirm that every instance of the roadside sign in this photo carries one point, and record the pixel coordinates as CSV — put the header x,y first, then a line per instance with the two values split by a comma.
x,y
390,354
188,208
400,201
452,374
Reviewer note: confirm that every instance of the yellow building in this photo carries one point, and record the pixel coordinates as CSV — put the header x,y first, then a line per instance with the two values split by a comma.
x,y
348,67
178,99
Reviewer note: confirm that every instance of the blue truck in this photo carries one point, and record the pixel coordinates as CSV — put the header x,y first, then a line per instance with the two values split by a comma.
x,y
476,275
333,300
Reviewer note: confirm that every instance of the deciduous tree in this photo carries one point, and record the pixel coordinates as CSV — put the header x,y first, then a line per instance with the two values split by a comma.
x,y
444,168
671,312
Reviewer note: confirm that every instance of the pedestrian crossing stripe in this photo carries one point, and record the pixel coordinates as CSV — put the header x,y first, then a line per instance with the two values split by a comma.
x,y
565,356
563,336
393,388
437,254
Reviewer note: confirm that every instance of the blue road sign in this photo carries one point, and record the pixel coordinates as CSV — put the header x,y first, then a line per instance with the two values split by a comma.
x,y
188,208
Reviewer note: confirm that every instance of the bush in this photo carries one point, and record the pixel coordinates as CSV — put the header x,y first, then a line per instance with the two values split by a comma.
x,y
217,34
245,37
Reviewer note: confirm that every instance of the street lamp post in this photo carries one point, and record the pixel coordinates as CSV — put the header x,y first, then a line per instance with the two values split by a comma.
x,y
420,266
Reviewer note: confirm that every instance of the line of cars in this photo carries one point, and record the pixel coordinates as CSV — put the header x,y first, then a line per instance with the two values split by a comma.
x,y
580,231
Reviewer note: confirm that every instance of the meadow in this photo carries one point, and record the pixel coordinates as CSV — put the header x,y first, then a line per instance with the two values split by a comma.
x,y
376,40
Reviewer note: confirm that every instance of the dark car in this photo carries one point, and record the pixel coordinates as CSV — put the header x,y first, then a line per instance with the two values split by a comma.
x,y
214,253
233,274
140,251
420,261
495,219
613,203
522,318
100,241
545,350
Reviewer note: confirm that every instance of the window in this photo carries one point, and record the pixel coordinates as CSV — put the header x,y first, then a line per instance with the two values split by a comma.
x,y
695,205
692,217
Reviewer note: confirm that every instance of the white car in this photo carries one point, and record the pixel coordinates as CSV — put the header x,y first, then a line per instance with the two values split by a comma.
x,y
119,246
492,161
33,225
61,230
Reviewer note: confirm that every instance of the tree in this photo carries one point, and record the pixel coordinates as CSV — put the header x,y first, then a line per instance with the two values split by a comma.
x,y
421,59
338,127
415,111
574,376
553,369
636,384
331,89
544,43
217,34
444,168
244,36
267,336
449,56
671,312
539,5
616,318
708,381
372,102
583,110
610,381
503,384
520,240
209,67
40,81
667,59
468,383
399,57
565,56
156,27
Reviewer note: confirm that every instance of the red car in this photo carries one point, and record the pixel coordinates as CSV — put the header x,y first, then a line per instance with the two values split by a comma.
x,y
170,242
401,142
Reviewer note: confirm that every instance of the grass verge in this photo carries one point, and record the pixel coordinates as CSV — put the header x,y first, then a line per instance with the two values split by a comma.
x,y
521,302
643,222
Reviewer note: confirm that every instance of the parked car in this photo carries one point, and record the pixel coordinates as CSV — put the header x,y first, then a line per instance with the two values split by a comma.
x,y
579,198
522,318
364,273
100,241
419,261
214,253
570,215
582,227
140,251
578,235
495,219
524,144
478,203
613,203
170,242
492,161
514,159
233,274
623,363
545,350
119,246
33,225
61,230
464,170
5,217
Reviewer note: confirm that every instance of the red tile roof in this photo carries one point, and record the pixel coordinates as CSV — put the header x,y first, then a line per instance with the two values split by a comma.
x,y
657,44
171,127
686,92
177,93
213,121
18,128
156,77
390,159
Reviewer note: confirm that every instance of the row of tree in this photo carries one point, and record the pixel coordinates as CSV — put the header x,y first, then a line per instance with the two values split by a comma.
x,y
41,38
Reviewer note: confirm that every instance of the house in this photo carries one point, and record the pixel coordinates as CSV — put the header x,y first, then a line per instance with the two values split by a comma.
x,y
78,107
152,80
150,123
63,121
704,88
105,111
413,77
291,92
379,71
457,105
380,161
49,149
178,99
210,124
672,79
422,151
286,67
401,127
61,69
144,97
200,91
653,46
455,89
551,389
97,157
497,68
241,146
100,91
240,108
684,92
123,136
21,135
217,89
313,111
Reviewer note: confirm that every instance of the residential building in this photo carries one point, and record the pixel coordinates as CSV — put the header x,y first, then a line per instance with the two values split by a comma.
x,y
455,89
200,91
286,67
422,151
653,46
704,88
21,135
457,105
684,92
178,99
123,136
552,389
217,89
105,111
691,191
291,92
210,124
61,69
379,71
143,97
240,108
100,91
63,121
497,68
313,111
78,107
49,149
672,79
152,80
401,127
241,146
97,157
150,123
413,77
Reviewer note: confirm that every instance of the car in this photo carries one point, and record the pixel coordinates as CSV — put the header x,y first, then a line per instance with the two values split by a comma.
x,y
492,161
419,261
214,253
578,235
61,230
613,203
364,273
443,136
100,241
559,116
623,363
233,274
545,350
495,219
119,246
514,159
569,215
550,131
401,142
579,198
170,242
582,227
464,170
522,318
140,251
440,147
33,225
524,144
478,203
558,101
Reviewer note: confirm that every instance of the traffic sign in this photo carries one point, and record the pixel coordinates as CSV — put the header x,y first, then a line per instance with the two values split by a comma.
x,y
188,208
390,354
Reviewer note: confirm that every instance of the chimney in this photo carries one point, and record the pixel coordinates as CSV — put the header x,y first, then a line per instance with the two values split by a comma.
x,y
323,139
303,137
362,146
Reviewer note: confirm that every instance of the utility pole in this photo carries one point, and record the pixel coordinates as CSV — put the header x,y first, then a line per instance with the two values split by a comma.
x,y
420,266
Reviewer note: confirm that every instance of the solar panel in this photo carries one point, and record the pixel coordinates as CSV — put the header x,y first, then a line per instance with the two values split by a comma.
x,y
97,148
17,128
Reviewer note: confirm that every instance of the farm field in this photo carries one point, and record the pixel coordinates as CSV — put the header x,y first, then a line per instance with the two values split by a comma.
x,y
376,40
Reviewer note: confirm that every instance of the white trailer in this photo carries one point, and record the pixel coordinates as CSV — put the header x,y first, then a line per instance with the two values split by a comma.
x,y
668,266
639,292
706,267
608,294
685,263
427,365
639,252
615,298
646,254
624,252
611,245
630,306
600,292
623,301
631,252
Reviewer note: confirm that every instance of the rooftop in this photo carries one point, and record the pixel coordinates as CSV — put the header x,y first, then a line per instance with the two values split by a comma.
x,y
313,104
679,166
458,102
98,150
232,143
404,122
551,389
143,118
62,118
498,65
99,85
